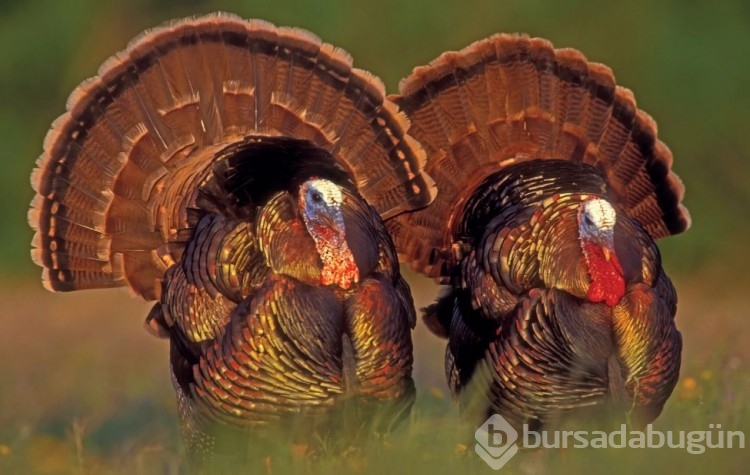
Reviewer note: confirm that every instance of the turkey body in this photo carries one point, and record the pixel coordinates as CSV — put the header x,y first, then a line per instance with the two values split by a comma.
x,y
259,335
239,175
522,295
553,188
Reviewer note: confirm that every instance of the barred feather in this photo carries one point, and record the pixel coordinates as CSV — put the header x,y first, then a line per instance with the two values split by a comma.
x,y
511,98
121,168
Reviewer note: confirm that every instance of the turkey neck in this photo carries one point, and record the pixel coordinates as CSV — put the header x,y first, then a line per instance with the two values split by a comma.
x,y
339,267
596,230
607,282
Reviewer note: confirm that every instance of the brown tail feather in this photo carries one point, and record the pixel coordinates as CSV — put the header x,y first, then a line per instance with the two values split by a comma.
x,y
122,168
510,98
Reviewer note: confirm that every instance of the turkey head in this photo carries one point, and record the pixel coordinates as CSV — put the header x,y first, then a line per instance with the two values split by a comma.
x,y
552,189
238,174
320,202
596,229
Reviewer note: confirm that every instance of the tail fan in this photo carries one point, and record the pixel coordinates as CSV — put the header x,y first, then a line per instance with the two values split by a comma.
x,y
123,167
511,98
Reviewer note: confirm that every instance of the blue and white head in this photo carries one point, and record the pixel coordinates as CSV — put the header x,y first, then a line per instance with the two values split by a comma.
x,y
320,203
596,221
596,225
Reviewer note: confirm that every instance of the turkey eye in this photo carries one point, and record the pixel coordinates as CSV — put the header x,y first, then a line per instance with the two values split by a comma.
x,y
317,198
587,220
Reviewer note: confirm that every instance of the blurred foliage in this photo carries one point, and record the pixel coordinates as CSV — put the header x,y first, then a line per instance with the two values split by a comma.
x,y
685,60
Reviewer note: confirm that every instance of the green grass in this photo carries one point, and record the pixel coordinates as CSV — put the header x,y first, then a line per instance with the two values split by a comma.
x,y
85,390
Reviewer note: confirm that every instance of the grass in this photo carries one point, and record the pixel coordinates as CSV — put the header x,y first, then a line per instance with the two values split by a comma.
x,y
85,390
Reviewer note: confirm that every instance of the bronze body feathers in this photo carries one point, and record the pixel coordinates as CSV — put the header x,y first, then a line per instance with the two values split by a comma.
x,y
552,189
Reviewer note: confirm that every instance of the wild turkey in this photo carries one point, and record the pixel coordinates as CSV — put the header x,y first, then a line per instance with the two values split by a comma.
x,y
237,173
552,188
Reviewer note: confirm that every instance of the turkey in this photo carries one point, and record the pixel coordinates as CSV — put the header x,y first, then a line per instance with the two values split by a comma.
x,y
238,174
552,187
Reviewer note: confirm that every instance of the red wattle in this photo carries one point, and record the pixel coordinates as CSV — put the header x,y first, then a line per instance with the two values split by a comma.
x,y
607,281
339,267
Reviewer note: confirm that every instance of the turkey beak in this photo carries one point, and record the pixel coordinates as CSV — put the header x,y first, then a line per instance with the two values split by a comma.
x,y
607,244
329,222
334,220
610,256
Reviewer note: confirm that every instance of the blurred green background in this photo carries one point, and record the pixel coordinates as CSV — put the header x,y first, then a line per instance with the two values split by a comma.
x,y
84,389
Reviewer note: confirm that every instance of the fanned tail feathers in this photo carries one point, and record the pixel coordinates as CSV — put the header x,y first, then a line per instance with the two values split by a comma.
x,y
511,98
123,167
